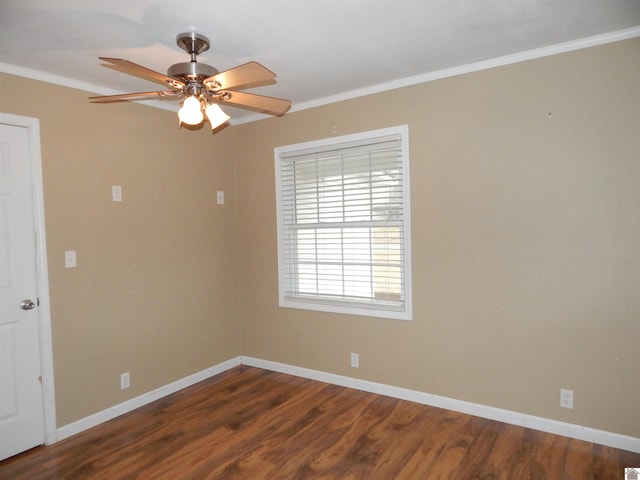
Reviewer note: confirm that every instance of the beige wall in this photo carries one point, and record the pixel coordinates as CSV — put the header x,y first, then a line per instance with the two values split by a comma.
x,y
526,240
155,288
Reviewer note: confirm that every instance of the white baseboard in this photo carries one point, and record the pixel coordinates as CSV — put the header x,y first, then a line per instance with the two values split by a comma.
x,y
125,407
514,418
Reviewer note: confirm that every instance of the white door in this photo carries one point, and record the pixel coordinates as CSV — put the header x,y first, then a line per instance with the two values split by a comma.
x,y
21,393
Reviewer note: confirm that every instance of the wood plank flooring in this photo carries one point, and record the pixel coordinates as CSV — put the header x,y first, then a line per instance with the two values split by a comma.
x,y
249,423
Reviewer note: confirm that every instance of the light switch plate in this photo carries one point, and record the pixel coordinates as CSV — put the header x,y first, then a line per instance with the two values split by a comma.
x,y
220,197
70,259
116,193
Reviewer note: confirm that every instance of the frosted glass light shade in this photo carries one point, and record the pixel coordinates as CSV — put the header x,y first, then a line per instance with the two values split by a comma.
x,y
191,112
215,115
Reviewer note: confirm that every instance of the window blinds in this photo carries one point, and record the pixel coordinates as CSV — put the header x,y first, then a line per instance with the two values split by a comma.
x,y
342,218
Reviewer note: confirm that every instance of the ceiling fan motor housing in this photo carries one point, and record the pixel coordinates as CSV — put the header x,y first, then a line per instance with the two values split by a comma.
x,y
191,71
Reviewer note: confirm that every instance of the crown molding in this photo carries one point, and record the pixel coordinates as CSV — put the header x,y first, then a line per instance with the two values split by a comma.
x,y
555,49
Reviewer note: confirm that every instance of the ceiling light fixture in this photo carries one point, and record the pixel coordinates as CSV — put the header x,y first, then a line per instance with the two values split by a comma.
x,y
215,115
191,111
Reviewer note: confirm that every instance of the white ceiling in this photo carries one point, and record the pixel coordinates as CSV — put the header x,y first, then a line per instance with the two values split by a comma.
x,y
321,50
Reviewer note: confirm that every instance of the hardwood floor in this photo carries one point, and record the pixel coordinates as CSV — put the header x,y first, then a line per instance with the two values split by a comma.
x,y
249,423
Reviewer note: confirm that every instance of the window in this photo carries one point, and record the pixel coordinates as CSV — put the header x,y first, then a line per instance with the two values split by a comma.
x,y
343,224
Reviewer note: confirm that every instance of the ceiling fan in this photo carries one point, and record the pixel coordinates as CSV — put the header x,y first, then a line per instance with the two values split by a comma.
x,y
202,86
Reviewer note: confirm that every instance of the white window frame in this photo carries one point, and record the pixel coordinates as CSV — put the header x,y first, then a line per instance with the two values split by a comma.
x,y
401,310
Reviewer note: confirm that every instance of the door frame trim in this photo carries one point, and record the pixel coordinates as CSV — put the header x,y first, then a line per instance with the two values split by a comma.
x,y
42,273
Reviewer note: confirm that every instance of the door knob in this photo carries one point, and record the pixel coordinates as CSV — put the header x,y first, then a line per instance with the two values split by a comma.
x,y
27,305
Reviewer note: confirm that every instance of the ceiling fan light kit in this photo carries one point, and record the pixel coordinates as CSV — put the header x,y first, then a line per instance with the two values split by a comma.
x,y
191,111
215,115
201,86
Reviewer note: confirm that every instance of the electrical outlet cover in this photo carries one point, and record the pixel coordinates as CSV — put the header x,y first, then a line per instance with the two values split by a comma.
x,y
566,398
125,381
355,360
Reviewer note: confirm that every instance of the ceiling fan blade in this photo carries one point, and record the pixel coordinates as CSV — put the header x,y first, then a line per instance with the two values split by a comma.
x,y
125,66
270,105
237,77
131,96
